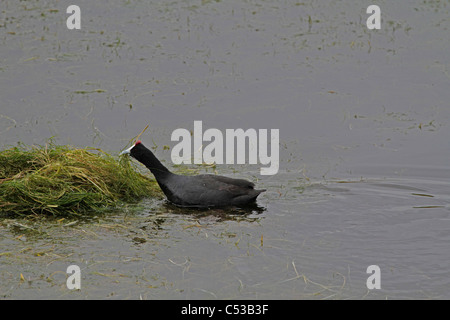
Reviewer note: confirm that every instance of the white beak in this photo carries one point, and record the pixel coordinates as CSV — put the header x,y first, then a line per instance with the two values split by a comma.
x,y
127,151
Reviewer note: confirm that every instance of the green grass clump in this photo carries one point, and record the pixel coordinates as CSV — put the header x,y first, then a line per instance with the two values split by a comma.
x,y
62,180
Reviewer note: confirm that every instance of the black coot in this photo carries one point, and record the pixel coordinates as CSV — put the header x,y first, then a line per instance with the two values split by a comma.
x,y
205,190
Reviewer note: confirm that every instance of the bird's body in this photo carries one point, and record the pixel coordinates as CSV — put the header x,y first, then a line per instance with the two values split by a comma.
x,y
205,190
208,190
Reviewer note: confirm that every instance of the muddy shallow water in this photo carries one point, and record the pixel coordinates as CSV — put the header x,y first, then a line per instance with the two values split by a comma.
x,y
364,146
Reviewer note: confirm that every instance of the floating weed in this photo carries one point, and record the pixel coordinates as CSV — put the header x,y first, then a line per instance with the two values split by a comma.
x,y
62,180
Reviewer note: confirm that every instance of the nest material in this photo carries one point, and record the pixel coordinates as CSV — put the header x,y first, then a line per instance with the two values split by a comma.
x,y
61,180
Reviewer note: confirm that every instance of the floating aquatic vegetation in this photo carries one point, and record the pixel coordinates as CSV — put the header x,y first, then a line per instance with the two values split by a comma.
x,y
63,180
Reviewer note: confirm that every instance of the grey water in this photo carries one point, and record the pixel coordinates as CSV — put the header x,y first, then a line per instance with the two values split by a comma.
x,y
364,146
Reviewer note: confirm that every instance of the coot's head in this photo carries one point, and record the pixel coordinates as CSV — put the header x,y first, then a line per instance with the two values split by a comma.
x,y
146,157
135,150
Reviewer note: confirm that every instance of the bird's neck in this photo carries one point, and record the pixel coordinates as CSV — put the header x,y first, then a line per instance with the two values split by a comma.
x,y
153,164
